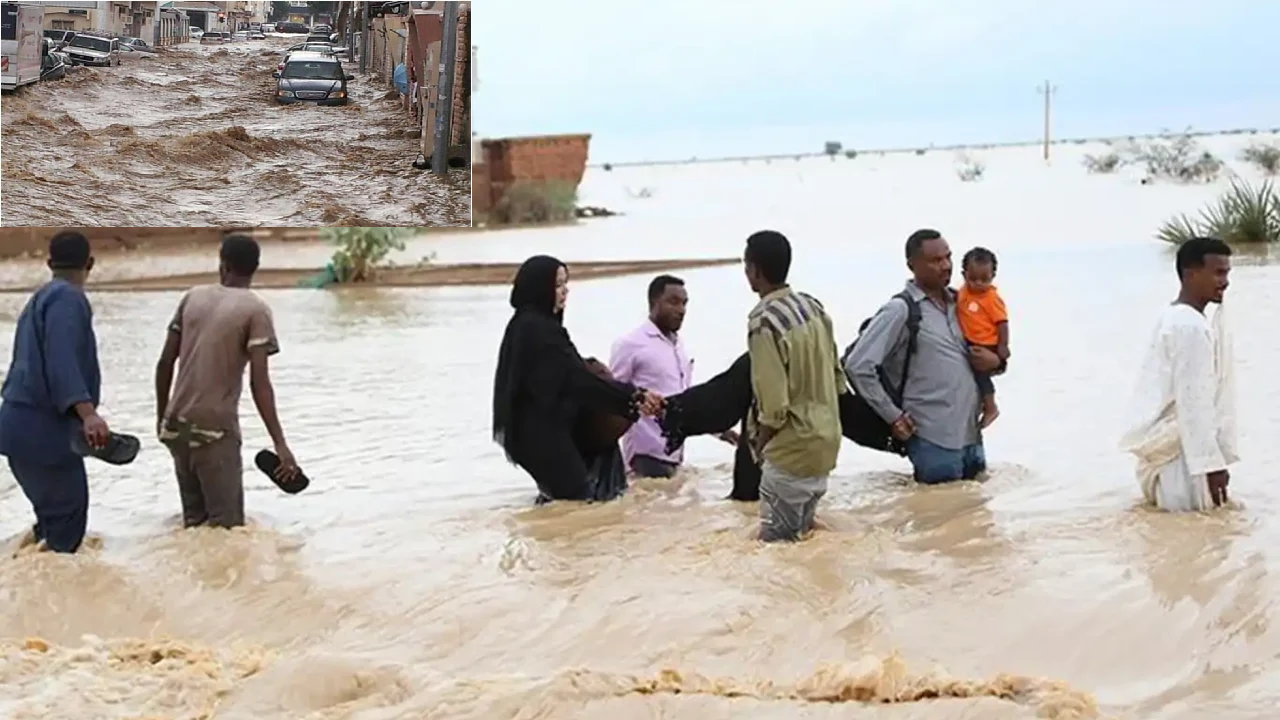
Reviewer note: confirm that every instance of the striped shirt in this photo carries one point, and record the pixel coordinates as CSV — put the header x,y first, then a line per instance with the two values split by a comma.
x,y
796,380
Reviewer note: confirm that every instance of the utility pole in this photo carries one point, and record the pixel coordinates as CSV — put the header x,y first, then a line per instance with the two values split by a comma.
x,y
1047,90
364,37
444,98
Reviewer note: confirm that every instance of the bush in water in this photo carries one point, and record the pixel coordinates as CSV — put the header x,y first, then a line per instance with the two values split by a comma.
x,y
1101,164
1265,157
969,169
1179,158
530,201
1245,214
360,249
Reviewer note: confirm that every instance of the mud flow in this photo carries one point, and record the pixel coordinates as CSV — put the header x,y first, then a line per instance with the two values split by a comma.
x,y
191,136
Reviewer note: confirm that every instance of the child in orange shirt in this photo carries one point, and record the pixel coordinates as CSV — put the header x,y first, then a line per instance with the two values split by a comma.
x,y
984,320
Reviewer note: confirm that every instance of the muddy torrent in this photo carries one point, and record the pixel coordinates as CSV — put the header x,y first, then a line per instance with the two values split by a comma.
x,y
192,137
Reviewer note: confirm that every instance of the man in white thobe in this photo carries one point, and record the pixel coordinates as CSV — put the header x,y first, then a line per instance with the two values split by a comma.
x,y
1182,428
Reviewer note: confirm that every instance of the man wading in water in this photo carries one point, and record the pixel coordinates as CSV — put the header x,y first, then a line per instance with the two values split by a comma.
x,y
1183,427
215,332
50,393
796,382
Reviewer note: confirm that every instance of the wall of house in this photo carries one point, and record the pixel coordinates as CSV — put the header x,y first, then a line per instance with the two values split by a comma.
x,y
460,129
561,158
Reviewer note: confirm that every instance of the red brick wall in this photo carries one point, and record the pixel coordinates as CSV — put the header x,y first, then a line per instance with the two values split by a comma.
x,y
460,129
481,193
546,157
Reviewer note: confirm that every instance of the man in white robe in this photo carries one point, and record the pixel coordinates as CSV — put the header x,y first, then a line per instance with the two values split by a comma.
x,y
1182,424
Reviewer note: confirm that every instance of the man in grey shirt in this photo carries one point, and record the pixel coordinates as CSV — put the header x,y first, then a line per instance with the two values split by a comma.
x,y
938,417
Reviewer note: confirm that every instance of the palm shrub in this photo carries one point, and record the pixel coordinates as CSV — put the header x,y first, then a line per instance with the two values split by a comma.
x,y
1245,214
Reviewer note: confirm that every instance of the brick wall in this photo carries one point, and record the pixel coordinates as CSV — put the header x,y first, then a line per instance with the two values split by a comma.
x,y
460,130
481,193
543,158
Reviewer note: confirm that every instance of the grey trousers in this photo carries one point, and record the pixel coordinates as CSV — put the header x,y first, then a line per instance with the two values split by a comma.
x,y
787,503
210,482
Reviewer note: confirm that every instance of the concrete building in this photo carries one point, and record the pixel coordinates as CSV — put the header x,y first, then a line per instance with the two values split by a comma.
x,y
203,15
135,19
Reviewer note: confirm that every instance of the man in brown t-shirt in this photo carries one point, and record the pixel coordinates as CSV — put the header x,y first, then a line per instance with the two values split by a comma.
x,y
216,331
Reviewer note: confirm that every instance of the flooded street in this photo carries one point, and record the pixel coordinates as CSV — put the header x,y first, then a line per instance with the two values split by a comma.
x,y
415,579
192,137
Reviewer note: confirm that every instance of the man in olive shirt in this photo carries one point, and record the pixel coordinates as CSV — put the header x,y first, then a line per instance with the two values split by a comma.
x,y
796,379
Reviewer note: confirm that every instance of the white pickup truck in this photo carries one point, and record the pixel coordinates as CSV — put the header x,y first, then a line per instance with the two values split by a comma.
x,y
21,40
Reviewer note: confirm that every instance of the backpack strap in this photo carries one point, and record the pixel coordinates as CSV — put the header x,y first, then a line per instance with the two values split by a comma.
x,y
913,332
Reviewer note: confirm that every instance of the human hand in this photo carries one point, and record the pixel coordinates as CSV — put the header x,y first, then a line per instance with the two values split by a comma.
x,y
288,468
96,431
903,428
983,360
651,403
1218,487
729,436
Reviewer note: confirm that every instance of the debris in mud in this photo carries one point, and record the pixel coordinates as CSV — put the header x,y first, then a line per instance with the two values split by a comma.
x,y
591,211
118,130
192,100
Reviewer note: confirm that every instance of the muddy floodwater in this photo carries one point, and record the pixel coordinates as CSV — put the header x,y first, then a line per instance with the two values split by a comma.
x,y
415,579
192,137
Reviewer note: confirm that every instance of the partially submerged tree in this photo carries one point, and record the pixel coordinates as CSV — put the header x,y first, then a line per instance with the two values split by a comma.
x,y
1245,214
1103,164
969,169
1180,159
1265,157
362,249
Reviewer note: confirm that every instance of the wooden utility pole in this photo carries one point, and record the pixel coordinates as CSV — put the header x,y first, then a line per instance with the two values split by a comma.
x,y
1047,90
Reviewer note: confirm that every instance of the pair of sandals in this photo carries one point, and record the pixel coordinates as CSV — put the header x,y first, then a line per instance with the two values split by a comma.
x,y
122,449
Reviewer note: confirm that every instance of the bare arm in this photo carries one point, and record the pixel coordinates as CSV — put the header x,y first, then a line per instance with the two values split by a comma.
x,y
164,373
264,394
1002,344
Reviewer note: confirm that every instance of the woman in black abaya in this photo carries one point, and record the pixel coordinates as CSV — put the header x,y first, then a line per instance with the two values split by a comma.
x,y
545,395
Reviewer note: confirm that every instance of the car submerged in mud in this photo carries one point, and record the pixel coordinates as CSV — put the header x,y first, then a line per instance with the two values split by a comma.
x,y
309,77
93,50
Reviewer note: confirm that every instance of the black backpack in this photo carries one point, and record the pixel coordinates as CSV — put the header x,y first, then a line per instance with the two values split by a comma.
x,y
858,421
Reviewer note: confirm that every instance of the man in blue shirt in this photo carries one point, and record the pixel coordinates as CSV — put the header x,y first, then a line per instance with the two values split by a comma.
x,y
50,393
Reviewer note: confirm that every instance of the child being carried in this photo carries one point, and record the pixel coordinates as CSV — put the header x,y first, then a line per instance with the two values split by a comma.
x,y
984,320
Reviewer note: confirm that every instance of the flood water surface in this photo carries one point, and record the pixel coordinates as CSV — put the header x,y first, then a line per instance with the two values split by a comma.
x,y
191,136
415,579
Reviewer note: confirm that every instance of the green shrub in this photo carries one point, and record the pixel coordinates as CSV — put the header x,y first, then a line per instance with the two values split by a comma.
x,y
361,249
1245,214
528,201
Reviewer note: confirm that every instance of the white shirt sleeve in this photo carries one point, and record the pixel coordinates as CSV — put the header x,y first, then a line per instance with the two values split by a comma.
x,y
1194,398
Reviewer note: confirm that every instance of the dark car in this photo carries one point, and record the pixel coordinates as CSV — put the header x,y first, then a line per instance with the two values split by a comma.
x,y
312,78
292,28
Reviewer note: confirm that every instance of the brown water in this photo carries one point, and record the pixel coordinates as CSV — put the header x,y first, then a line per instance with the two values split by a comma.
x,y
414,579
192,137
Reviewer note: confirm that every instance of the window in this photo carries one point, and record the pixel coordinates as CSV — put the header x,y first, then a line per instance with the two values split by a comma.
x,y
63,24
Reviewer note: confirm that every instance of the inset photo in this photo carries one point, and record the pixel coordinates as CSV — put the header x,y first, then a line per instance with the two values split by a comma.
x,y
182,114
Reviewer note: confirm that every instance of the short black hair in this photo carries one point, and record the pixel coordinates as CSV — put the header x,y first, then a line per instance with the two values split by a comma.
x,y
240,253
981,256
1191,254
918,238
659,285
770,252
69,250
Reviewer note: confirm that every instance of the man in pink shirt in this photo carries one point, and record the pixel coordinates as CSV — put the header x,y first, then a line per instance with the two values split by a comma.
x,y
652,356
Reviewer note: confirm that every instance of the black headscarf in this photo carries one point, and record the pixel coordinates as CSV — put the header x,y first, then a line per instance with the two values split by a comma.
x,y
533,297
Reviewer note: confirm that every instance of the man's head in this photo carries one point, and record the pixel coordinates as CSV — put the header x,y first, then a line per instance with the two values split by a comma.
x,y
929,258
1203,265
767,260
238,258
70,256
667,302
979,269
